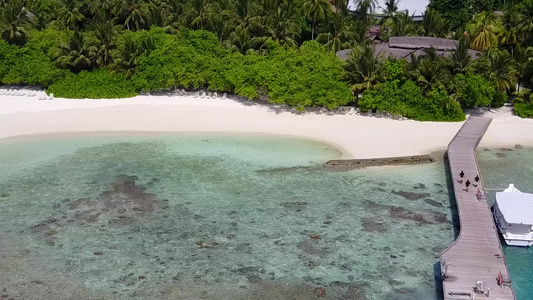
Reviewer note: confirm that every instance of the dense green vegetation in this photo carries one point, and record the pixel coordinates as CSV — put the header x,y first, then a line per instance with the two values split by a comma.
x,y
400,95
524,104
280,50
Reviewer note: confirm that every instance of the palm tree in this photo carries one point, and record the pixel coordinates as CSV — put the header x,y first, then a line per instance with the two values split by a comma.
x,y
501,69
315,10
510,24
365,8
400,24
433,69
41,15
359,32
155,16
413,64
280,22
483,31
78,54
363,68
136,12
125,59
174,9
460,57
241,40
104,31
102,7
223,23
339,36
69,14
523,58
129,50
14,19
390,9
244,13
526,22
340,7
201,13
434,24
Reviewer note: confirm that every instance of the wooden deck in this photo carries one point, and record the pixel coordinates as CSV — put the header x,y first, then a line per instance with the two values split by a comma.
x,y
476,254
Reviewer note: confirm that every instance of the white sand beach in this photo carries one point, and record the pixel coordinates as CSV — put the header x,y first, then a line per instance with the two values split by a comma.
x,y
356,136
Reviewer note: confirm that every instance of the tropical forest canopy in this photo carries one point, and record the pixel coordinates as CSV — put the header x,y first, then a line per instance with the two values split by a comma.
x,y
280,50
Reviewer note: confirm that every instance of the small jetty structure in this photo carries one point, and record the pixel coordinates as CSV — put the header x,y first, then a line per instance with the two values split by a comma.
x,y
474,266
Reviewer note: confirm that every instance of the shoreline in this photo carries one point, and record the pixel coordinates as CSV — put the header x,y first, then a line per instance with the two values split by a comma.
x,y
357,137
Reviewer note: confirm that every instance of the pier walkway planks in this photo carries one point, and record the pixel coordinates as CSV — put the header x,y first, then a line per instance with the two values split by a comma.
x,y
476,254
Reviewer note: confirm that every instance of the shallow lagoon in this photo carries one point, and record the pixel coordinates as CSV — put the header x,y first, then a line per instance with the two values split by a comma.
x,y
214,217
501,166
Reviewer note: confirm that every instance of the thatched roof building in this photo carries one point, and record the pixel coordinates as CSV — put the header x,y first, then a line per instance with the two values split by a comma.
x,y
403,46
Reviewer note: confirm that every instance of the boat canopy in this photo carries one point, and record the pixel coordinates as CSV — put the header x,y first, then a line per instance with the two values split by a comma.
x,y
517,208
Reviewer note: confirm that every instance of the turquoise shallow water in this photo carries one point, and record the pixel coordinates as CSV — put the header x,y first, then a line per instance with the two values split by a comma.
x,y
499,168
214,217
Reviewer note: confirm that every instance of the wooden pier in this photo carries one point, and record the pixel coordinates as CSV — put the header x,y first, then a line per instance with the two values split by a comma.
x,y
476,257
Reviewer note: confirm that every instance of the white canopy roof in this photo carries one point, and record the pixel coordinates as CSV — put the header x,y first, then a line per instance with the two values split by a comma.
x,y
517,208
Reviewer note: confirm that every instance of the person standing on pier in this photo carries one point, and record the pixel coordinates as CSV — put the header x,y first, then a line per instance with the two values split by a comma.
x,y
476,179
461,175
467,183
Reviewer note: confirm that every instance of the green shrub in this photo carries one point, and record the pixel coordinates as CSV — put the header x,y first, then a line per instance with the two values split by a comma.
x,y
191,59
499,99
93,84
408,100
309,76
524,110
30,64
473,90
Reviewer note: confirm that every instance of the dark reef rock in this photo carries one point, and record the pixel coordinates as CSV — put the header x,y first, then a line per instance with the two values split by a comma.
x,y
351,164
288,169
439,217
355,291
121,205
433,202
320,292
410,195
296,206
518,146
123,196
419,186
422,218
375,207
254,278
312,247
373,225
401,213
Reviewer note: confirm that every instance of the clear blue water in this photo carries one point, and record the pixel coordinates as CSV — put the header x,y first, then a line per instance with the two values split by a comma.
x,y
214,217
500,167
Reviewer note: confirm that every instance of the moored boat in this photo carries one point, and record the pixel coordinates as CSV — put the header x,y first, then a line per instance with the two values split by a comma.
x,y
513,214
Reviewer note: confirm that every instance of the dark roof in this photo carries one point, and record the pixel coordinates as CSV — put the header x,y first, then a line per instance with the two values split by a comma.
x,y
344,54
374,29
402,47
421,42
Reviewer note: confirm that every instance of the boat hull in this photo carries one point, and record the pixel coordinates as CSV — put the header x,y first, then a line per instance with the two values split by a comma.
x,y
516,240
518,243
512,214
